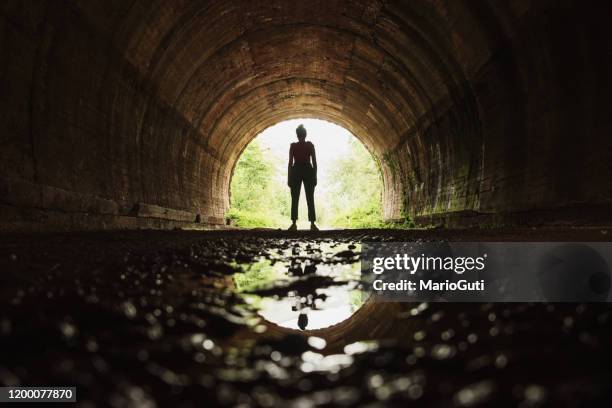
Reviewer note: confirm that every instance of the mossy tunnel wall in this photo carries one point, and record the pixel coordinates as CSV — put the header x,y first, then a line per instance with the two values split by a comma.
x,y
128,114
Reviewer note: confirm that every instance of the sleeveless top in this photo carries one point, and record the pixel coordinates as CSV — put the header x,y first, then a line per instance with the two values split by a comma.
x,y
302,152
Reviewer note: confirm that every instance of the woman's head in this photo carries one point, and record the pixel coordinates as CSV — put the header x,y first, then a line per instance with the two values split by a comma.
x,y
301,132
303,321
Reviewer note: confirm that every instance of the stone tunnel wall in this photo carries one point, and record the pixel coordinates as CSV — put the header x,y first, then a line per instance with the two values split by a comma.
x,y
119,114
545,126
86,144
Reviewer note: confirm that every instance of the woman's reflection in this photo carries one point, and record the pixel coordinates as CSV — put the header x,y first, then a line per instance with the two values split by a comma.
x,y
304,299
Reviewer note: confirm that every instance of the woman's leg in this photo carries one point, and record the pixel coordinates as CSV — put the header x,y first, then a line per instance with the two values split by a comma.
x,y
309,190
296,188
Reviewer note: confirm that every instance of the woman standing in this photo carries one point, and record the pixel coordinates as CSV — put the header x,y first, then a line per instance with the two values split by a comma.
x,y
300,170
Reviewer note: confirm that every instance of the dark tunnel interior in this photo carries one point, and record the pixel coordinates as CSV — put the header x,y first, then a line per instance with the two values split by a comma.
x,y
131,114
121,122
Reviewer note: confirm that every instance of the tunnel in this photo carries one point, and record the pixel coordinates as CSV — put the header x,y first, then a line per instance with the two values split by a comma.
x,y
132,114
121,125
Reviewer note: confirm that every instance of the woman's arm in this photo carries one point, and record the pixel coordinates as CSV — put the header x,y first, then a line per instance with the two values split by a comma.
x,y
290,165
314,164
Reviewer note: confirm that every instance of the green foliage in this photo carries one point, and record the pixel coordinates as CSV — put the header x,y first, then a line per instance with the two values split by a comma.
x,y
357,189
356,299
352,199
258,198
391,164
405,224
259,275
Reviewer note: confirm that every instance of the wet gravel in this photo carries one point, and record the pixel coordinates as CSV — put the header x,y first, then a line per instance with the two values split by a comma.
x,y
152,319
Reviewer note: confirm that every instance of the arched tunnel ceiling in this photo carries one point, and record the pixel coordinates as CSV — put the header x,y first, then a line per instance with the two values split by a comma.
x,y
233,68
215,61
471,107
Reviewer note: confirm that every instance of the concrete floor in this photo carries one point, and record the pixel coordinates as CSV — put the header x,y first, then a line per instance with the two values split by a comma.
x,y
147,318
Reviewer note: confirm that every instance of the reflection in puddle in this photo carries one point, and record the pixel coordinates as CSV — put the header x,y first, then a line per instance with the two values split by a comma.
x,y
306,286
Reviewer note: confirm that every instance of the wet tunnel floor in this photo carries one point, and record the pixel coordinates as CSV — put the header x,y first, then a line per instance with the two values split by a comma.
x,y
175,318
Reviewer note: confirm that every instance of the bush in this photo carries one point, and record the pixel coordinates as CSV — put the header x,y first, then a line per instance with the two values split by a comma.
x,y
257,199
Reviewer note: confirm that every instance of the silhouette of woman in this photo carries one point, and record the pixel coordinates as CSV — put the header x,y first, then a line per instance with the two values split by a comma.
x,y
300,170
303,321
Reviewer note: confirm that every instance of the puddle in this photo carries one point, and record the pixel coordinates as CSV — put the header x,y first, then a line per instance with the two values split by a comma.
x,y
143,327
306,286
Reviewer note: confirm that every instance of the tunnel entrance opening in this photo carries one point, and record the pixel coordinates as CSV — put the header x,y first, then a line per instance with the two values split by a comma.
x,y
348,193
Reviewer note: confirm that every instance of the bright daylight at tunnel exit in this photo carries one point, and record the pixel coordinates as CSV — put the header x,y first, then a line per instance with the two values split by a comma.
x,y
305,204
349,181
